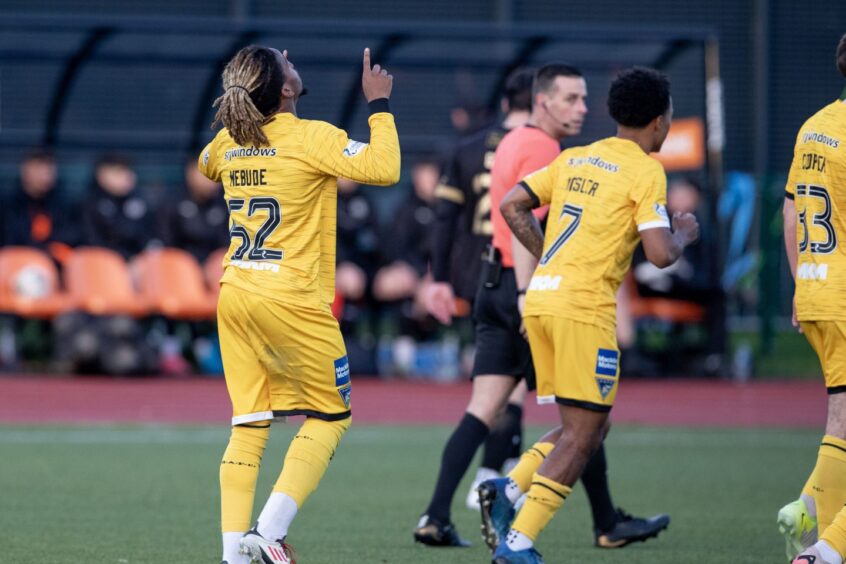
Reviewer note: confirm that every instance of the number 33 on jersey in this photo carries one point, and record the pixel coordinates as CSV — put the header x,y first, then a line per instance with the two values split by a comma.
x,y
817,184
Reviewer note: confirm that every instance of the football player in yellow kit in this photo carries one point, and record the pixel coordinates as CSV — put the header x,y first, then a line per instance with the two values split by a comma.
x,y
603,199
814,232
283,353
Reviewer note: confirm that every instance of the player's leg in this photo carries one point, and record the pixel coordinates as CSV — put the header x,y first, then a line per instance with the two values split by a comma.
x,y
308,375
825,490
503,445
246,381
489,394
580,436
831,548
306,462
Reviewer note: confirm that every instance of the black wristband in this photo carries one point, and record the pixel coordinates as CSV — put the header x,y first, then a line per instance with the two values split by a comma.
x,y
522,292
378,105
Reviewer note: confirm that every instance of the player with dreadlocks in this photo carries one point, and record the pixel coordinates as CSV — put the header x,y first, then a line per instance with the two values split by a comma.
x,y
283,353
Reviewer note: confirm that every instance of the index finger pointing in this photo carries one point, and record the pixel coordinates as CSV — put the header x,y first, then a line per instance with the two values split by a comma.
x,y
366,58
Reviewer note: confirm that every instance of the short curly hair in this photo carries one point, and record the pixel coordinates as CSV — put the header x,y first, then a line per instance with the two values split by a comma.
x,y
638,95
841,56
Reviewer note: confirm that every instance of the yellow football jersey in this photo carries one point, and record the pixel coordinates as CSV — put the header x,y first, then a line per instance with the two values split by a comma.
x,y
817,181
600,196
282,201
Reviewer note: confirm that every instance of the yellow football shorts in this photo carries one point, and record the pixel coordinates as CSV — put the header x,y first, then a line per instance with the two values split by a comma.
x,y
576,363
828,339
280,359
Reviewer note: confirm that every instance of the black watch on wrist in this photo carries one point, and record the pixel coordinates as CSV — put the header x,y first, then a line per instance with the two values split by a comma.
x,y
522,292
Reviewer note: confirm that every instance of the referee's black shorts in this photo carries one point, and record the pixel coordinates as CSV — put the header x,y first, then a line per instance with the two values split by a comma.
x,y
500,348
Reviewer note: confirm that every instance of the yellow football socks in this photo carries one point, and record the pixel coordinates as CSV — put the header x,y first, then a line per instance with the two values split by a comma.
x,y
529,463
827,483
835,534
544,499
308,457
239,471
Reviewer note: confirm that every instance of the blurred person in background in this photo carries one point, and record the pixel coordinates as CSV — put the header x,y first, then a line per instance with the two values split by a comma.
x,y
358,259
405,249
196,222
686,279
115,214
35,213
462,231
468,116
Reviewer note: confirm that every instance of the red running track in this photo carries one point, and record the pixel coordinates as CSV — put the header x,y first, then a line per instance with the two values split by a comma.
x,y
35,399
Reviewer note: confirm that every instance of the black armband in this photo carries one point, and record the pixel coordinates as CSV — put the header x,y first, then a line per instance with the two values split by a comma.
x,y
378,105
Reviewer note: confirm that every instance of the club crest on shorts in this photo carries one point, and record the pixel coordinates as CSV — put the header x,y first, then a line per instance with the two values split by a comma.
x,y
345,392
342,371
605,386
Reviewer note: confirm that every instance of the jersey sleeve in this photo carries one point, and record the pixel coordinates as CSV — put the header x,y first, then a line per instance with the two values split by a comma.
x,y
650,199
206,163
331,151
540,184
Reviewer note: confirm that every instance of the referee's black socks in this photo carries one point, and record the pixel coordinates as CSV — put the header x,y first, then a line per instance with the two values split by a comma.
x,y
456,458
595,481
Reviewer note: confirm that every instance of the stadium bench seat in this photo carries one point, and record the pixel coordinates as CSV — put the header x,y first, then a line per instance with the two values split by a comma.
x,y
673,311
29,284
98,282
171,283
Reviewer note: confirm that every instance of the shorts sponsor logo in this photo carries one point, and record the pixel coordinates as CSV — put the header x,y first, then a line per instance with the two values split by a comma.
x,y
811,271
544,283
342,371
606,362
605,386
345,392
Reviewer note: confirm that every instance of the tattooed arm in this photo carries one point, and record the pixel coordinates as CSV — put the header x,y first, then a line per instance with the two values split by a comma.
x,y
517,208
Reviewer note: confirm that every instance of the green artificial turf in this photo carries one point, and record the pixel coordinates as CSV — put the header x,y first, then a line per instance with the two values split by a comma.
x,y
126,495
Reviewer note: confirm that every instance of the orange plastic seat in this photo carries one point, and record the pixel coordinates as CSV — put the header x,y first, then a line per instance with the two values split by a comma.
x,y
171,283
665,309
98,282
674,311
29,284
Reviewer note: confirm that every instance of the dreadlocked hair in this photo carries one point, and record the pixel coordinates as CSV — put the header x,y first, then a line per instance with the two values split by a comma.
x,y
252,89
